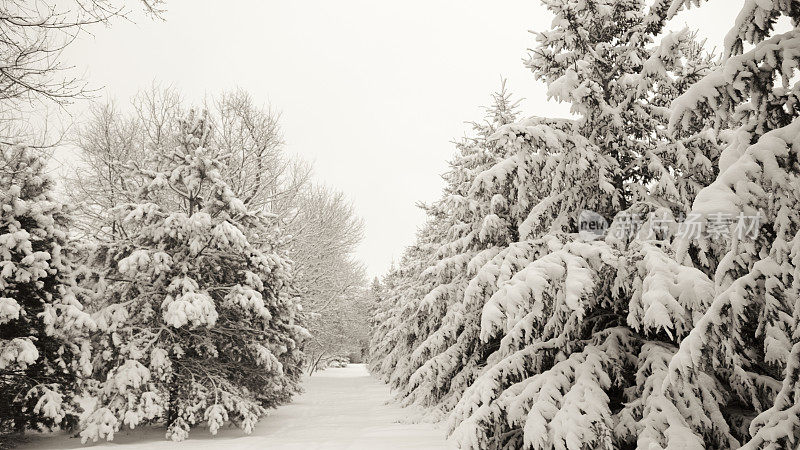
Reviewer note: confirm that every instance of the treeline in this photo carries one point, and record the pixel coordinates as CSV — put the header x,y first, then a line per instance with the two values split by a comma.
x,y
626,278
168,294
178,272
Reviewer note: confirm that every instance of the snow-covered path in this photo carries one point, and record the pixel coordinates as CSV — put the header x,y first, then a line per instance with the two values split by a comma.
x,y
341,409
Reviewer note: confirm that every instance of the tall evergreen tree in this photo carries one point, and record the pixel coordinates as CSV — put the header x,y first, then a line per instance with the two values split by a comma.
x,y
443,349
746,345
479,224
585,326
44,352
573,333
395,337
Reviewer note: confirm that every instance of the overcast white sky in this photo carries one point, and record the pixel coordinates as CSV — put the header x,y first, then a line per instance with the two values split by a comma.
x,y
373,92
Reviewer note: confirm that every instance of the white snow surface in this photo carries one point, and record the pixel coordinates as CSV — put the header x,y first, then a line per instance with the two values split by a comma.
x,y
342,408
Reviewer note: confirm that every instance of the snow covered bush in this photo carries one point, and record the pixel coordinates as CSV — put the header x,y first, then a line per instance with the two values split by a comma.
x,y
197,326
44,352
337,362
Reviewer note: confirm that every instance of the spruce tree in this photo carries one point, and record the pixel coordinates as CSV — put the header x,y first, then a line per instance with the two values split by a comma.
x,y
584,326
746,345
478,225
469,227
570,330
395,338
44,353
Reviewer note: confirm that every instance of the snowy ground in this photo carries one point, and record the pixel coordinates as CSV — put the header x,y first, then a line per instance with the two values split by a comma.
x,y
341,409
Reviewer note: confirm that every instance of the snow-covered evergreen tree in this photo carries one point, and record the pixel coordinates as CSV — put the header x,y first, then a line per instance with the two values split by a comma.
x,y
197,324
569,330
395,336
583,325
44,351
745,349
467,230
385,319
478,224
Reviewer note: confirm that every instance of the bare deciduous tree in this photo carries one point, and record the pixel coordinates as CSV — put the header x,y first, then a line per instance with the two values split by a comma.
x,y
262,175
33,37
325,232
109,139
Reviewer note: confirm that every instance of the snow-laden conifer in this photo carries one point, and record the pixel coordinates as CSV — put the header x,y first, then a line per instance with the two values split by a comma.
x,y
196,324
541,341
584,324
44,353
470,228
746,345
